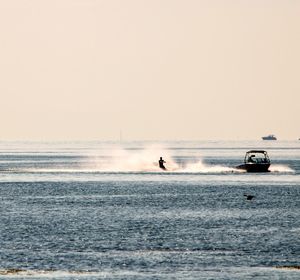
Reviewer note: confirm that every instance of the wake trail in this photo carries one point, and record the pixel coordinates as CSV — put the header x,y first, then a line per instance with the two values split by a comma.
x,y
144,161
281,168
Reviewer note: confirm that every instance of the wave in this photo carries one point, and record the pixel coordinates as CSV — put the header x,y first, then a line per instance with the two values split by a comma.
x,y
44,273
71,274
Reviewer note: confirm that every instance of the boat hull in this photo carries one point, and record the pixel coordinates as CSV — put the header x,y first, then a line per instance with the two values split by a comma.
x,y
252,167
269,138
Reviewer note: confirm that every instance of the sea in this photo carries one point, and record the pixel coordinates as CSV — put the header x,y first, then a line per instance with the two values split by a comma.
x,y
104,210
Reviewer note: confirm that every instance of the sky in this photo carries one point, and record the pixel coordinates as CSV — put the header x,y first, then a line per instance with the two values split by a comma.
x,y
150,69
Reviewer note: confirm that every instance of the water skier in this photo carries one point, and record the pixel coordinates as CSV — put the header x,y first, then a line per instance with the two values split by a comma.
x,y
161,163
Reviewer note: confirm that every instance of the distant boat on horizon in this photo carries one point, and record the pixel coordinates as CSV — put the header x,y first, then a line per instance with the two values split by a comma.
x,y
269,137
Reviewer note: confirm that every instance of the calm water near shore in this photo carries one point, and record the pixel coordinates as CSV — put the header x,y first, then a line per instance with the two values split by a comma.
x,y
95,210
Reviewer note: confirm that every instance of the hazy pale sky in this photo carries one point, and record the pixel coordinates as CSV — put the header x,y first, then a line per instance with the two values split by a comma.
x,y
156,69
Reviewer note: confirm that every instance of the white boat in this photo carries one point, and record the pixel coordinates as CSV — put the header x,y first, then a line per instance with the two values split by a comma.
x,y
269,137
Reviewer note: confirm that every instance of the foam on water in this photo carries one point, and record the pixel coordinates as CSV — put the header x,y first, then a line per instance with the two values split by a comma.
x,y
200,167
281,168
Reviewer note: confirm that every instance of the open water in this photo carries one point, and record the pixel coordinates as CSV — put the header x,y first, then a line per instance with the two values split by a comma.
x,y
104,210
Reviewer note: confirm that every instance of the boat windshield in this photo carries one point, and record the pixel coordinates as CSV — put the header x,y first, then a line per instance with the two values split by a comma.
x,y
257,157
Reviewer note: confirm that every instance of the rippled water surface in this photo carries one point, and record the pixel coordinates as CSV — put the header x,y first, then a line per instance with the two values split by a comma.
x,y
95,210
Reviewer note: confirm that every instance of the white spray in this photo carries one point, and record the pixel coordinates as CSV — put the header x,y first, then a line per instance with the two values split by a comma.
x,y
146,160
281,168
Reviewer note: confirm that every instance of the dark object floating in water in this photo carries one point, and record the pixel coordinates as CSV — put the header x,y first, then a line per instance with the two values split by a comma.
x,y
249,196
256,161
269,137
